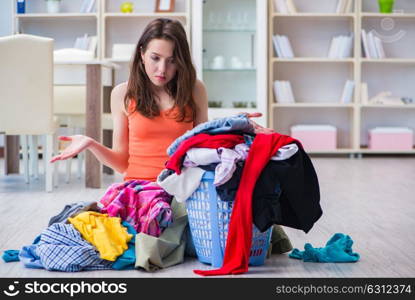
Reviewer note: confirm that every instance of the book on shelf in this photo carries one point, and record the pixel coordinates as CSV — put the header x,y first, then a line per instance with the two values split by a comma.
x,y
344,6
87,6
291,6
347,95
348,7
282,46
379,47
372,45
86,42
341,46
285,6
365,44
92,44
283,92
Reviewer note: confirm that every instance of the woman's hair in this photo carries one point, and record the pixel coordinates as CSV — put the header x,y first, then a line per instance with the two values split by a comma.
x,y
180,87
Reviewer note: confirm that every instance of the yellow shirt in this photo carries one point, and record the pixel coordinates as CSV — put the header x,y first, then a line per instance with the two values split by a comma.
x,y
105,233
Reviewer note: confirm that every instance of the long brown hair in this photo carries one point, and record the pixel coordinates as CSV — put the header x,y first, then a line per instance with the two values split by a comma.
x,y
180,87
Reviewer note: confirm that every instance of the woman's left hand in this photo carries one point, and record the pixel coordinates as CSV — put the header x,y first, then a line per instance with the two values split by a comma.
x,y
258,128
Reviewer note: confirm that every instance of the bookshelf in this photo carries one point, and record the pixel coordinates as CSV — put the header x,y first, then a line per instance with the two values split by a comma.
x,y
317,81
105,21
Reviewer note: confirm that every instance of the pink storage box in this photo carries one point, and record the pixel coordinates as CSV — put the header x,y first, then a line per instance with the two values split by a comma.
x,y
391,138
315,137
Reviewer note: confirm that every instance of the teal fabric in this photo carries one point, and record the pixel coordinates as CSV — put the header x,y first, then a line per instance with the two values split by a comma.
x,y
126,261
11,255
337,249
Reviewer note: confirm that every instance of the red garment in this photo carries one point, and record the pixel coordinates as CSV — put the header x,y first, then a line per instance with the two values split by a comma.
x,y
238,243
202,140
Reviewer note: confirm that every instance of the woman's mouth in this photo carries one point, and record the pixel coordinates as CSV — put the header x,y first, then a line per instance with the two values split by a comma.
x,y
160,78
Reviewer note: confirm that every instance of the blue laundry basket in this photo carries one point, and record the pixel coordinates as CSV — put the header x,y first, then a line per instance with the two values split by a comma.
x,y
209,219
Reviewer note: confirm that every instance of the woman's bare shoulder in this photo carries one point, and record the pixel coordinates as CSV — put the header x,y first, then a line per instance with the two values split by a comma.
x,y
117,97
199,86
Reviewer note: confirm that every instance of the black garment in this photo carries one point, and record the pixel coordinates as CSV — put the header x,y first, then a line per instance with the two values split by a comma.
x,y
227,191
298,203
210,167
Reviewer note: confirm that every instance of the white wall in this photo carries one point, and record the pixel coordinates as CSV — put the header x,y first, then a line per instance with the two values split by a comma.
x,y
5,17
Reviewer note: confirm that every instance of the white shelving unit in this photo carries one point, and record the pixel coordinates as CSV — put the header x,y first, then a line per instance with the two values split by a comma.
x,y
106,22
233,28
63,27
318,81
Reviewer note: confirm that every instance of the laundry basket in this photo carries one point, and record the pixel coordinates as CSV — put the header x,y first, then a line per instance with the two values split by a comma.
x,y
209,219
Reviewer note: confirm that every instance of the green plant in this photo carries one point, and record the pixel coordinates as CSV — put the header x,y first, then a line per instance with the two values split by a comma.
x,y
212,103
386,6
253,104
240,104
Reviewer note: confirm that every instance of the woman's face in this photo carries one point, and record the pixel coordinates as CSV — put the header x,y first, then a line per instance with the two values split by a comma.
x,y
159,62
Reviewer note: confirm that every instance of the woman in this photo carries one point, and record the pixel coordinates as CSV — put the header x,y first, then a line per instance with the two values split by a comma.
x,y
161,100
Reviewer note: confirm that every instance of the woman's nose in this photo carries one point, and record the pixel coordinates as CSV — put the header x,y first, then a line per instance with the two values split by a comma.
x,y
162,66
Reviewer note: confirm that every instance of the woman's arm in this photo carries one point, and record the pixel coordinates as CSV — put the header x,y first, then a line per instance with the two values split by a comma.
x,y
115,158
201,100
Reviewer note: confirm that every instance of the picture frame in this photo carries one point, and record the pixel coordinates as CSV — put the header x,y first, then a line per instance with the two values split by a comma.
x,y
164,6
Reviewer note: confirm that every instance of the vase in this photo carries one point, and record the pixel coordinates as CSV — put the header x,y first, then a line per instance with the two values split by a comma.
x,y
386,6
53,6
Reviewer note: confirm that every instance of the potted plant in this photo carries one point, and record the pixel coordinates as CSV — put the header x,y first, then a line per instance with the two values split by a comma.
x,y
212,103
386,6
53,6
240,104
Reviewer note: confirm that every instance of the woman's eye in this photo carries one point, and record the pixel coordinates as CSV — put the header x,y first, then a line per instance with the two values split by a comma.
x,y
155,58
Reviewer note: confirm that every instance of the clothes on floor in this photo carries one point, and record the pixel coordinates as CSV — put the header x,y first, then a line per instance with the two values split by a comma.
x,y
61,248
70,210
287,193
126,261
29,258
10,255
280,243
239,238
143,204
153,253
338,249
104,232
181,186
201,140
235,123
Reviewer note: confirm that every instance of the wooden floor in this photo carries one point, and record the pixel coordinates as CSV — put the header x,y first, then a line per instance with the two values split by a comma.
x,y
371,199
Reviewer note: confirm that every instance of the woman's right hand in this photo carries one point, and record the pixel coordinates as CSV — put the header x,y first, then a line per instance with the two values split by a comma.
x,y
78,144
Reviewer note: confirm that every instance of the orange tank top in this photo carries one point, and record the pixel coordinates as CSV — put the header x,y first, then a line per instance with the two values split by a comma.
x,y
149,140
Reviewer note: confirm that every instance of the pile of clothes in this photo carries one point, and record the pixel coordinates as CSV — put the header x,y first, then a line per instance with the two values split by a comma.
x,y
101,235
270,178
142,224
